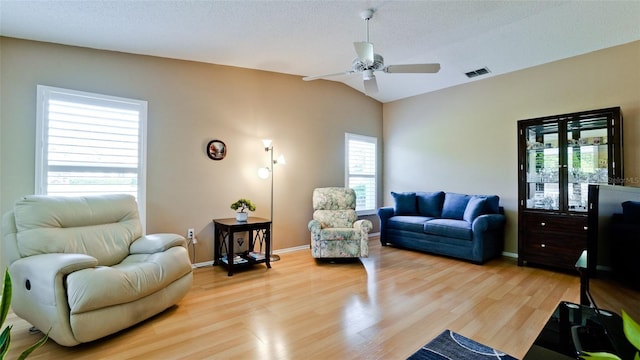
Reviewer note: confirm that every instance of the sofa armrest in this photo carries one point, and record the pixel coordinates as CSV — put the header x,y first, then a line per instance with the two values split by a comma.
x,y
488,222
384,213
155,243
363,225
314,226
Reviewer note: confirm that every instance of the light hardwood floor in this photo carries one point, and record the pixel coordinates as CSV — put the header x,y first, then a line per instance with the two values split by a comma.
x,y
385,307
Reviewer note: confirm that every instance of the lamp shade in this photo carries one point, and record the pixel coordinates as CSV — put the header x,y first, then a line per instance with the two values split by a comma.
x,y
263,173
280,160
266,142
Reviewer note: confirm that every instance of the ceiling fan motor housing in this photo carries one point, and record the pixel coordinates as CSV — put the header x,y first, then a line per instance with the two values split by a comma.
x,y
359,66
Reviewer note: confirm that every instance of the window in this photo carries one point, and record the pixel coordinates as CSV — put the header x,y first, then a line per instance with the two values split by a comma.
x,y
89,144
361,171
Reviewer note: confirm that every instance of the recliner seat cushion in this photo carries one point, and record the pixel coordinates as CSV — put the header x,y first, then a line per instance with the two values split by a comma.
x,y
137,276
336,234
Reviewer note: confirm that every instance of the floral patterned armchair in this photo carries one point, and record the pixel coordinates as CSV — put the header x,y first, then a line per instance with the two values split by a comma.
x,y
335,229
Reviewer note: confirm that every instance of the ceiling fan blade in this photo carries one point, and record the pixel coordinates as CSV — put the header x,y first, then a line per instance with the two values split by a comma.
x,y
413,68
364,50
370,85
315,77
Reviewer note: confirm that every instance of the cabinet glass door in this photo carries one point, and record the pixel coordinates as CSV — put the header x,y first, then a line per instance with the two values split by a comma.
x,y
587,158
542,167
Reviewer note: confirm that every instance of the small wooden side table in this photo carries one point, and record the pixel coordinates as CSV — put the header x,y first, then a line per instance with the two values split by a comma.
x,y
259,231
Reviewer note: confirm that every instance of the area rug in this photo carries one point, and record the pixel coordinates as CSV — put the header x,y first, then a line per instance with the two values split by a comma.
x,y
450,345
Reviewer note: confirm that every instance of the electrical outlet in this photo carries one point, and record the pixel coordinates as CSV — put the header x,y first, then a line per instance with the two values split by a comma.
x,y
190,235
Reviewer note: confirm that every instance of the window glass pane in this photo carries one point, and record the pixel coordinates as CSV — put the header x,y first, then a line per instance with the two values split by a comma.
x,y
361,171
89,144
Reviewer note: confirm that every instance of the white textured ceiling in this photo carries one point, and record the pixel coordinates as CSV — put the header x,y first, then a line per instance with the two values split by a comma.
x,y
316,36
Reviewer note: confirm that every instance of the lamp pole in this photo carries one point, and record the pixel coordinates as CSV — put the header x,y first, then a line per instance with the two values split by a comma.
x,y
269,147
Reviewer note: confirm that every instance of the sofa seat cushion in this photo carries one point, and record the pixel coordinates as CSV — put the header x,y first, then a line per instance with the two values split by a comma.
x,y
458,229
339,234
408,223
135,277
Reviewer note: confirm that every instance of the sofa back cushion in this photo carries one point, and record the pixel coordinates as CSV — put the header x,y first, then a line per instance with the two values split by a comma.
x,y
430,203
100,226
454,205
405,203
475,207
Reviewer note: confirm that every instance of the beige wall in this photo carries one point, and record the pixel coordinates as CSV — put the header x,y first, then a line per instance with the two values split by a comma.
x,y
463,139
190,104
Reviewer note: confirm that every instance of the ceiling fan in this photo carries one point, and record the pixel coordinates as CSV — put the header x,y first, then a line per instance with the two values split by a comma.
x,y
368,62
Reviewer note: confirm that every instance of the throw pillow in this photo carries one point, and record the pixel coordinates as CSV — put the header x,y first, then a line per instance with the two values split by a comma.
x,y
475,207
430,203
405,203
631,211
454,205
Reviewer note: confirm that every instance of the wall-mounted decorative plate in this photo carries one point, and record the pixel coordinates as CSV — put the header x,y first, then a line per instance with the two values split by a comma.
x,y
216,149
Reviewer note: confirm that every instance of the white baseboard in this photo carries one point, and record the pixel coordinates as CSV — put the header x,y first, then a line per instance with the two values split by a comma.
x,y
510,254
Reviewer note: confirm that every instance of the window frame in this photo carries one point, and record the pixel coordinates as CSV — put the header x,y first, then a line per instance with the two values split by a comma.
x,y
372,140
47,93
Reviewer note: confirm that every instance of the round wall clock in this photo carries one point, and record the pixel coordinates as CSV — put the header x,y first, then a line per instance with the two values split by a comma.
x,y
216,149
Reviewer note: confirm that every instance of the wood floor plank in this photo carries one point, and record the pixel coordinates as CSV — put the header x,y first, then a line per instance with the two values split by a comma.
x,y
385,306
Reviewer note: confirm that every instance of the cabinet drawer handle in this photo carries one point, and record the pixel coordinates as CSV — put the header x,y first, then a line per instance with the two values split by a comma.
x,y
586,228
543,245
543,224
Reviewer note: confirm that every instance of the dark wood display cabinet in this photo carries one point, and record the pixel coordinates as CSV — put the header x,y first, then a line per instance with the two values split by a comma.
x,y
558,157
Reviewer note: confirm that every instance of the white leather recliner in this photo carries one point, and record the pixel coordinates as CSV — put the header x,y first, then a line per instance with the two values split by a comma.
x,y
82,269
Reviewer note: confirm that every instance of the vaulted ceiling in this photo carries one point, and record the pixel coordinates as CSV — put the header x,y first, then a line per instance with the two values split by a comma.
x,y
314,37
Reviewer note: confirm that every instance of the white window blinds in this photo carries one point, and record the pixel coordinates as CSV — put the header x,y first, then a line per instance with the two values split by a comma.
x,y
361,171
89,144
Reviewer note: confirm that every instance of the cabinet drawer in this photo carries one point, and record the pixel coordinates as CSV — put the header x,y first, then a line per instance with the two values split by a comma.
x,y
554,249
555,223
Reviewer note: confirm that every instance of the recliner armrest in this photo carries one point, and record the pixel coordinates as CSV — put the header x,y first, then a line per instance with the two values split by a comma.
x,y
363,225
41,274
154,243
314,226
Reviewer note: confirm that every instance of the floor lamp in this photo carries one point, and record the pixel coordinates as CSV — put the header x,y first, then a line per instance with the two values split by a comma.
x,y
264,173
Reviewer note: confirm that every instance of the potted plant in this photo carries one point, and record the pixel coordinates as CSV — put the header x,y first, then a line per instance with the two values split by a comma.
x,y
5,337
242,206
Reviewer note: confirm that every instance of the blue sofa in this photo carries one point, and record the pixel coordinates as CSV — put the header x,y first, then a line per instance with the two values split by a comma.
x,y
469,227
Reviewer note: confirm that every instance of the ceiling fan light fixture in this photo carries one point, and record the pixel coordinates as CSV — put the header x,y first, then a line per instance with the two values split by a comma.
x,y
368,75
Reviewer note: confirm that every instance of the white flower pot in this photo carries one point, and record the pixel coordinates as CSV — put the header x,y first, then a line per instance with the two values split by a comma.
x,y
242,216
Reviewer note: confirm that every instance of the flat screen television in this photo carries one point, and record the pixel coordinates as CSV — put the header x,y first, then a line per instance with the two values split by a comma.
x,y
609,286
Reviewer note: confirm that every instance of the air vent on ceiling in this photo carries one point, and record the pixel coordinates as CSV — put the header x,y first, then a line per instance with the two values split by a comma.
x,y
478,72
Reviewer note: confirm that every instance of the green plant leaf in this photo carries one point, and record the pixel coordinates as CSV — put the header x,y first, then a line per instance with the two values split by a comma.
x,y
631,330
5,302
33,347
598,356
5,341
